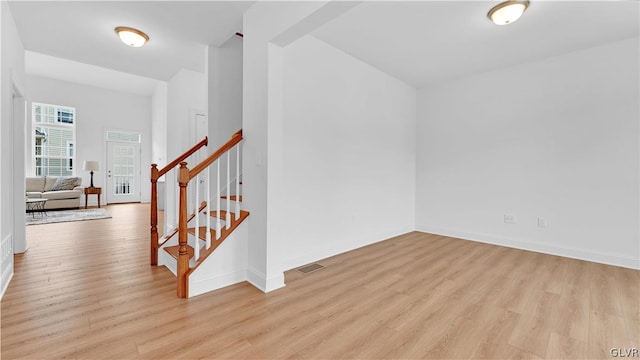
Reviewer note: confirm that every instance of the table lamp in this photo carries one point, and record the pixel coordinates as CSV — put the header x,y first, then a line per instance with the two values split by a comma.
x,y
91,166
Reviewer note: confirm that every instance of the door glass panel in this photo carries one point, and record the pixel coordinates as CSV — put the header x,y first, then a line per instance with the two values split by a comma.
x,y
123,170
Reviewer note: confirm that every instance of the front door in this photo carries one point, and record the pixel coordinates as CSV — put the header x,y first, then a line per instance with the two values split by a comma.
x,y
123,172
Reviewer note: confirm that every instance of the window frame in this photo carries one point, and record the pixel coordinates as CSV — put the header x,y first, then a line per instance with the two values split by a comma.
x,y
68,148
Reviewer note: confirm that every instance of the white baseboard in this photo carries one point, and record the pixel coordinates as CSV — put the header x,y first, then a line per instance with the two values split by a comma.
x,y
319,254
264,283
609,259
5,283
7,257
204,285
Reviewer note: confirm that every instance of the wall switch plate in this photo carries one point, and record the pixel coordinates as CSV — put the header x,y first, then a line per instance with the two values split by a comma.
x,y
542,222
509,219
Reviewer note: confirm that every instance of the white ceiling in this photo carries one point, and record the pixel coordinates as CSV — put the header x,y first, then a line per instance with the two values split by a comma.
x,y
83,31
81,73
419,42
425,42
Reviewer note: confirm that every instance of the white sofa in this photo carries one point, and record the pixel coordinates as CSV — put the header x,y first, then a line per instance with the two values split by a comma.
x,y
61,193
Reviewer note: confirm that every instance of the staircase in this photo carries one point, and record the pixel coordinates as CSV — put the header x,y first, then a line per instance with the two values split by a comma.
x,y
210,213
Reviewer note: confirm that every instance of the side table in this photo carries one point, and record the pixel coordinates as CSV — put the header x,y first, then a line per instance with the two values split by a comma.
x,y
91,190
35,205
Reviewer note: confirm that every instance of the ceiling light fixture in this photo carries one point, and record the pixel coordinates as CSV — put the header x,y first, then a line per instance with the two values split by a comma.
x,y
132,37
507,12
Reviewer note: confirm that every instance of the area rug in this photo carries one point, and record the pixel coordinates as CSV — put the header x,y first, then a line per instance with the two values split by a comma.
x,y
56,216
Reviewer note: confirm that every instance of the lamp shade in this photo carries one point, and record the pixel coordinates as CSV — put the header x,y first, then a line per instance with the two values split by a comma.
x,y
91,166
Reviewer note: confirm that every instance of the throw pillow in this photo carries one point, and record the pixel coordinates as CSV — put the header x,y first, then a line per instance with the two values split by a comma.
x,y
65,183
49,181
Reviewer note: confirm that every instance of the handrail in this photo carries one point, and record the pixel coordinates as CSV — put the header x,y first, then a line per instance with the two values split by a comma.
x,y
235,139
184,178
174,163
155,175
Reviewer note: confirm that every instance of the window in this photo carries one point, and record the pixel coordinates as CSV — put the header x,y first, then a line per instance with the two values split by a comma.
x,y
123,136
70,156
54,139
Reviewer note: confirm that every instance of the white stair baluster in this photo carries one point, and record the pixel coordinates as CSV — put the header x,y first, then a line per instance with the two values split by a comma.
x,y
208,191
228,218
196,245
238,181
218,224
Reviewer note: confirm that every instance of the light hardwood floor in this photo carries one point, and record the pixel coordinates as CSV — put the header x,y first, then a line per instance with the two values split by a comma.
x,y
85,290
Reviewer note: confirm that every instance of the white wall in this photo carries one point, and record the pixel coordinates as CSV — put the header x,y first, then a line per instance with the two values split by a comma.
x,y
97,110
347,176
225,91
159,125
556,139
186,92
264,21
225,100
12,143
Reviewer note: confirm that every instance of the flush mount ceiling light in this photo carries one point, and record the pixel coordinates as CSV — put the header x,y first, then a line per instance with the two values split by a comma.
x,y
507,12
132,37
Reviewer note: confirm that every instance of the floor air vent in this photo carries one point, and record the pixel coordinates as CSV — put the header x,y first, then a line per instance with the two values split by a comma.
x,y
310,268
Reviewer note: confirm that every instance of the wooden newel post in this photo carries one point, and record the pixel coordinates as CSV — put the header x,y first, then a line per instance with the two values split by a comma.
x,y
183,256
154,214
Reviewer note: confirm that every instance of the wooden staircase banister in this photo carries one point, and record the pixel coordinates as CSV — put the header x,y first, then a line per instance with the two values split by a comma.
x,y
211,235
183,255
186,154
171,234
155,175
235,139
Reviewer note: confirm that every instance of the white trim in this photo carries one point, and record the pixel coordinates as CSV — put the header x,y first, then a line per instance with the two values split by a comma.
x,y
264,283
598,257
216,282
6,252
5,285
319,254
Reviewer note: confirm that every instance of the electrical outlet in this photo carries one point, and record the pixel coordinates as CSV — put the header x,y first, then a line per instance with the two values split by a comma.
x,y
542,222
509,219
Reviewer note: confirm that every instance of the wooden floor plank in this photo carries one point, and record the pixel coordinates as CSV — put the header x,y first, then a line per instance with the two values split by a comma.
x,y
84,290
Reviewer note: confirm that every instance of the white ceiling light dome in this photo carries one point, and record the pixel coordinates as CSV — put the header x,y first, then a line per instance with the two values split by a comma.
x,y
132,37
507,12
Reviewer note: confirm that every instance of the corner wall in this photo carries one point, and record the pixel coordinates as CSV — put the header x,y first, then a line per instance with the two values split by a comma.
x,y
225,91
346,177
159,125
264,20
12,232
555,139
186,92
